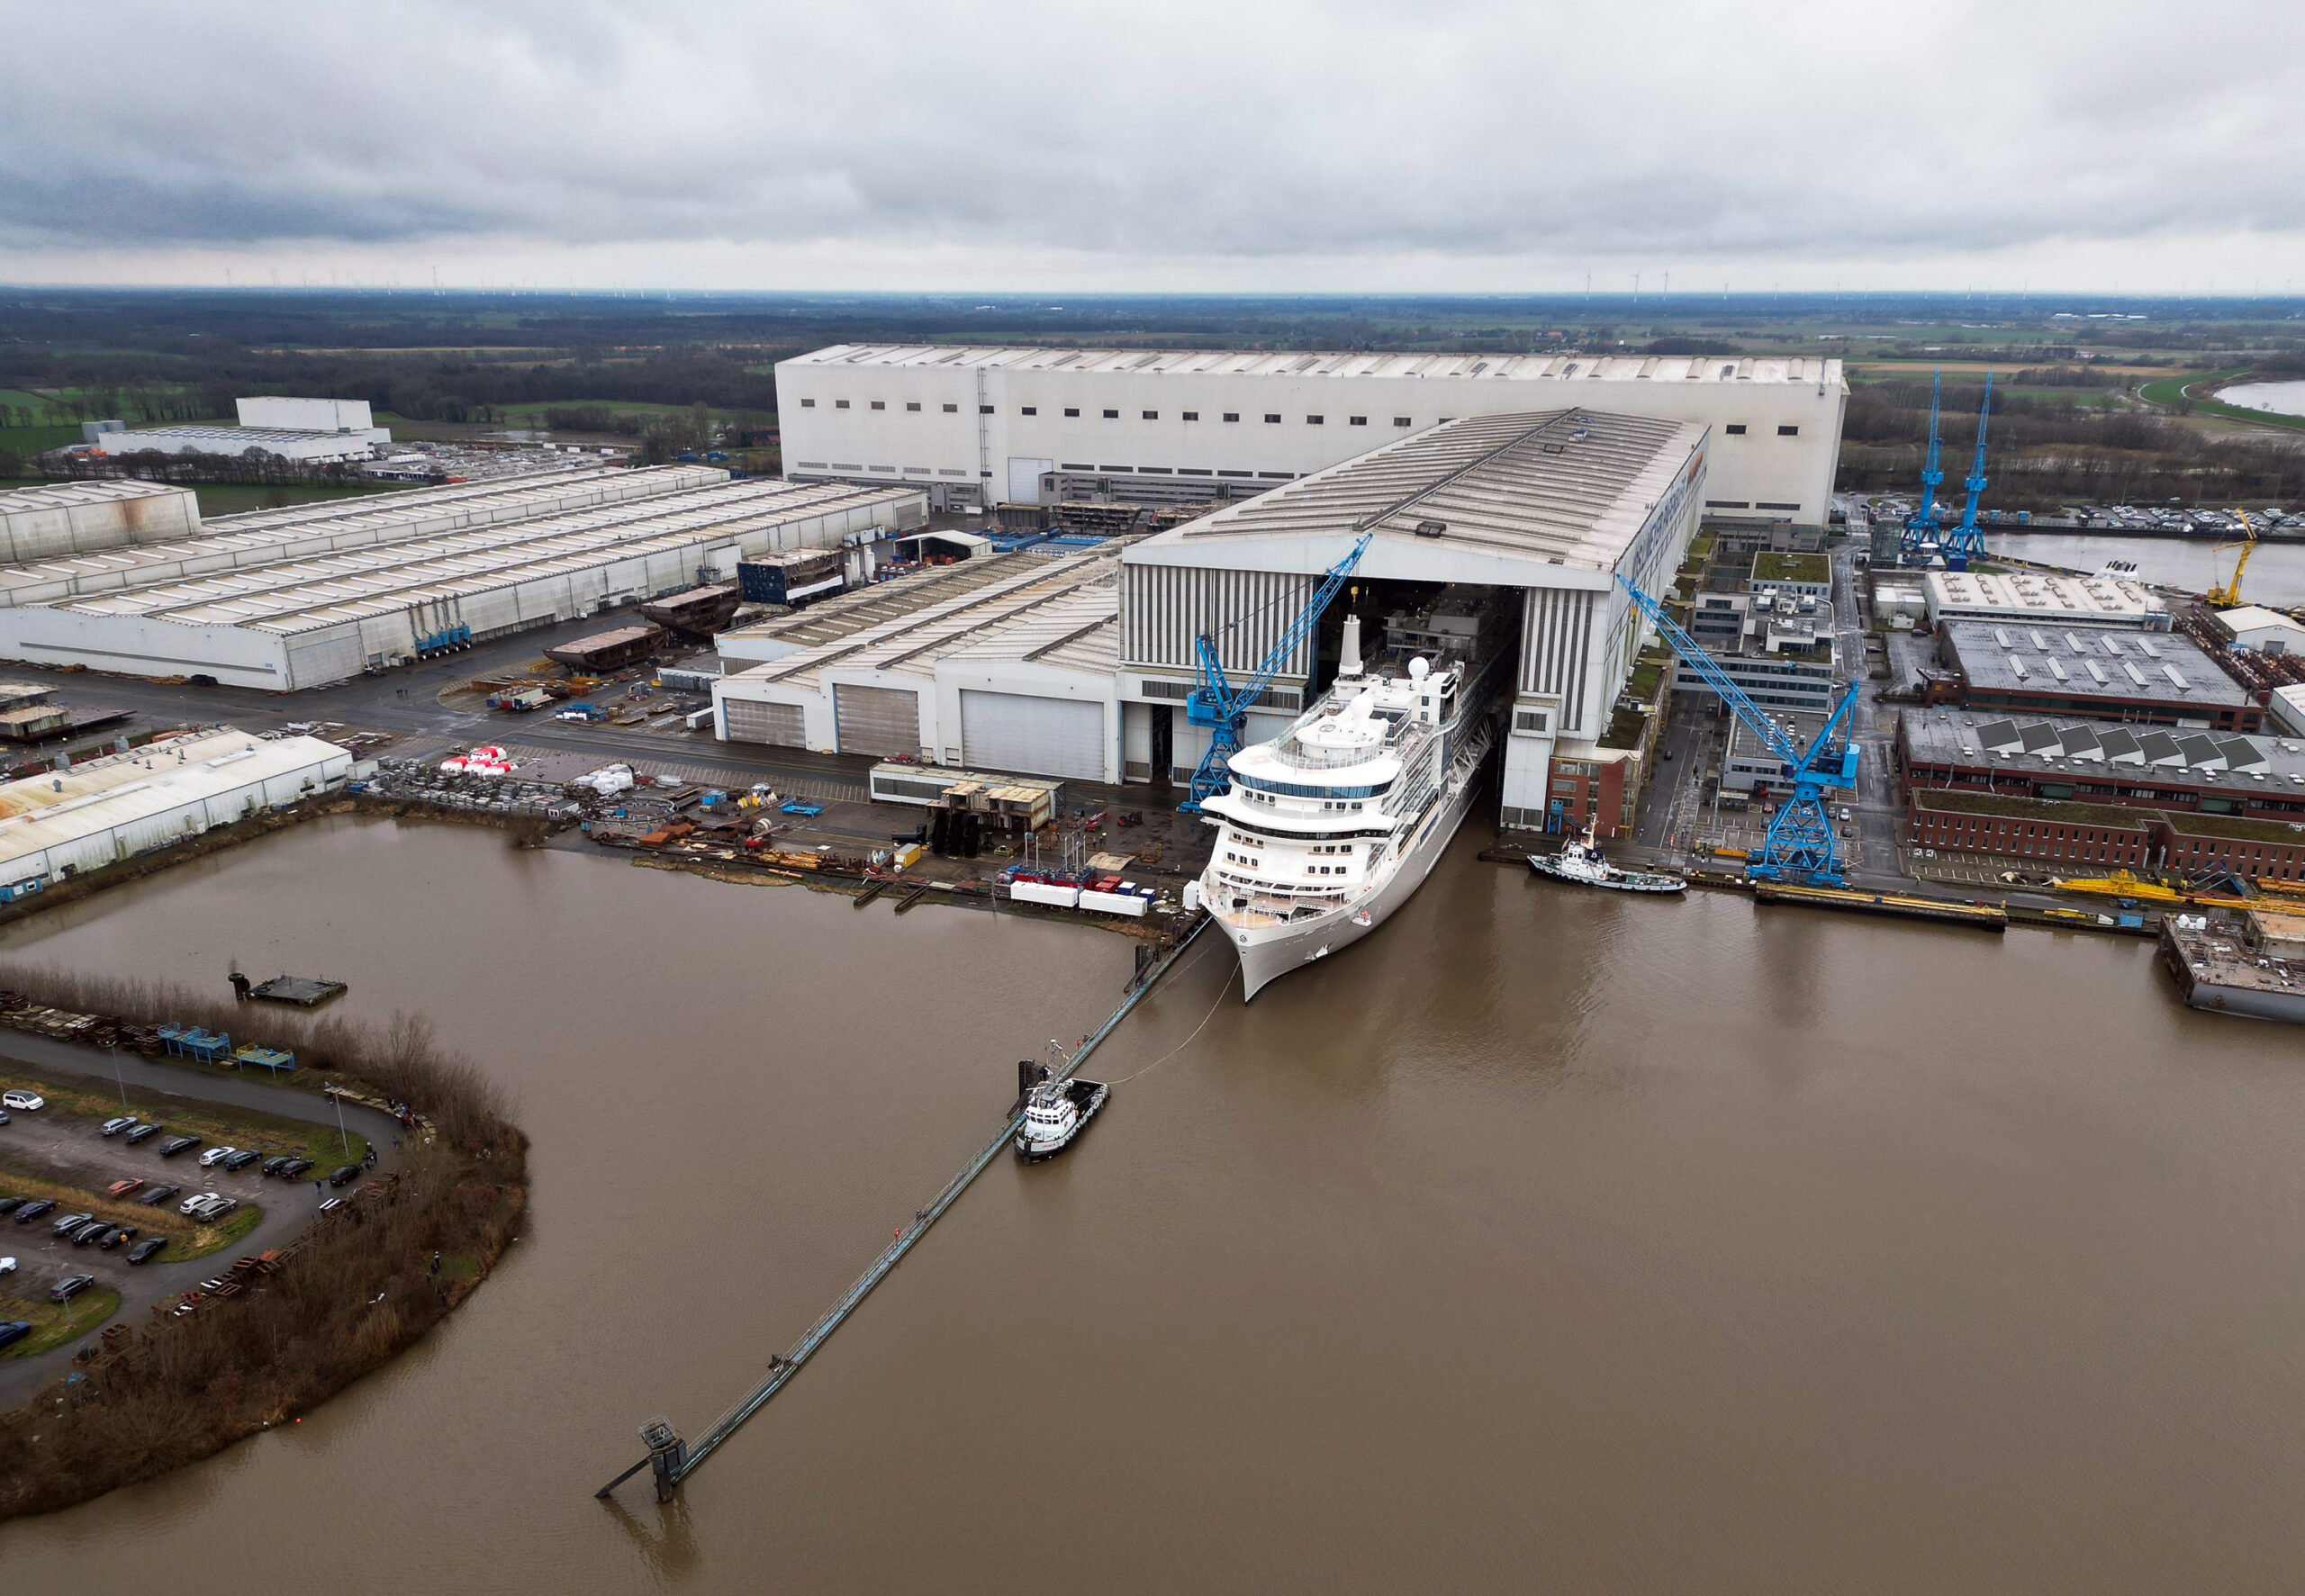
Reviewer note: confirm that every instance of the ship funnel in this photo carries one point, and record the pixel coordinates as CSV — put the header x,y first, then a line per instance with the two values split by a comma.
x,y
1349,664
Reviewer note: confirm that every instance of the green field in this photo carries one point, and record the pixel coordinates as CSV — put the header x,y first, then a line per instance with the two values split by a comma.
x,y
55,1323
2169,390
232,498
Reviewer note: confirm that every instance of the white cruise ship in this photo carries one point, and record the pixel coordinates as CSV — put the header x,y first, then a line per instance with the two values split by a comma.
x,y
1328,828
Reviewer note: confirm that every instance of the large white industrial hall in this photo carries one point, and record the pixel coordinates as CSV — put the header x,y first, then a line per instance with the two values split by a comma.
x,y
977,425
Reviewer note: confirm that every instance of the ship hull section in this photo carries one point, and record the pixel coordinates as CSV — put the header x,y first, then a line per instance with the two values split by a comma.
x,y
1270,953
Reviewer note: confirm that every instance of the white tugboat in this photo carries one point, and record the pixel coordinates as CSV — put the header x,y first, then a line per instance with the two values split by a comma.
x,y
1056,1111
1331,826
1581,862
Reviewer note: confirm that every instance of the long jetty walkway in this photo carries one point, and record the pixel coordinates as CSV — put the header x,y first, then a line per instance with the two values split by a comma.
x,y
674,1460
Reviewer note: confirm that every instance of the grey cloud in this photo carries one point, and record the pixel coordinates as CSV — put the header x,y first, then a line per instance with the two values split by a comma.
x,y
1680,127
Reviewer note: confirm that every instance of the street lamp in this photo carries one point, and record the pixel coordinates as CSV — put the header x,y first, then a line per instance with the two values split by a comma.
x,y
343,1135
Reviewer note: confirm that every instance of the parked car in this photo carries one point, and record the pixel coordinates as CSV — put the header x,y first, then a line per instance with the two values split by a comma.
x,y
159,1194
10,1205
95,1231
295,1168
4,1120
345,1174
69,1220
242,1158
219,1206
194,1203
120,1188
34,1210
29,1102
114,1127
7,1266
70,1287
13,1331
176,1144
276,1164
142,1252
143,1133
120,1234
215,1156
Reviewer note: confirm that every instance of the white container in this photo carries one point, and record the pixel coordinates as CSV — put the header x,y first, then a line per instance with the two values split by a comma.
x,y
1116,903
1046,892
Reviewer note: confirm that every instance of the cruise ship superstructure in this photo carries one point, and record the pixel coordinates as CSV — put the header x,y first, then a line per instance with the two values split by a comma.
x,y
1329,827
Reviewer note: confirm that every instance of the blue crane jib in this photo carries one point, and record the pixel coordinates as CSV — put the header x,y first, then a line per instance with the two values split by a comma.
x,y
1222,707
1965,542
1920,538
1800,847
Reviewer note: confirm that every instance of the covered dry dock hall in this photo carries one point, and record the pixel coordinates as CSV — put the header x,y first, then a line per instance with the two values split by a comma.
x,y
1543,508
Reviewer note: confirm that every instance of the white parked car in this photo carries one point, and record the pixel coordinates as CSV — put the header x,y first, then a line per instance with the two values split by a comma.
x,y
7,1266
215,1156
29,1102
198,1204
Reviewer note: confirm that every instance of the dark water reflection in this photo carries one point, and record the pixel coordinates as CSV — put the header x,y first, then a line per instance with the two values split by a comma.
x,y
1543,1240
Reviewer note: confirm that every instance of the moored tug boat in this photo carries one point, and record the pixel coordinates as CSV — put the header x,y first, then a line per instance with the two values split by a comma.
x,y
1581,863
1055,1112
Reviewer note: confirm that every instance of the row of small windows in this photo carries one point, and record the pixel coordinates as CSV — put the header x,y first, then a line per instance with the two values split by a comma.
x,y
1272,418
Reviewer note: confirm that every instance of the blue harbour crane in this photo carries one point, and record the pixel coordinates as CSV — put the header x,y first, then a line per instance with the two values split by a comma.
x,y
1222,707
1799,850
1919,539
1965,542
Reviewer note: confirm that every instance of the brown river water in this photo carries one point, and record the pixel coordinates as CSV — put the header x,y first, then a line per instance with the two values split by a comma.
x,y
1542,1241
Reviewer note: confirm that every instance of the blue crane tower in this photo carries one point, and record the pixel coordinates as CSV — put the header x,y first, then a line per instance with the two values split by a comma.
x,y
1222,707
1919,539
1964,543
1799,849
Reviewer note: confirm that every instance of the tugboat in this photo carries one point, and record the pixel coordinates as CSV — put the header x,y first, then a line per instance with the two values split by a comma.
x,y
1581,862
1056,1111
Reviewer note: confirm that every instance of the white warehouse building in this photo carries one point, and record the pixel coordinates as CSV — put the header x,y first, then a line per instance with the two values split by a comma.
x,y
105,810
1015,671
975,425
292,606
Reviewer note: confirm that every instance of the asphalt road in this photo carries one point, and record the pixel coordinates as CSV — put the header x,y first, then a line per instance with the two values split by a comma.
x,y
49,1142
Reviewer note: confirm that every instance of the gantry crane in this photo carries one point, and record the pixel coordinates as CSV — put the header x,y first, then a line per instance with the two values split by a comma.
x,y
1799,849
1222,707
1919,539
1964,543
2225,595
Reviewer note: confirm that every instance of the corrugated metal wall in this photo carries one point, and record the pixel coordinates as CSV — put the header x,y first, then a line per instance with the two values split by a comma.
x,y
749,720
876,720
1556,645
1163,608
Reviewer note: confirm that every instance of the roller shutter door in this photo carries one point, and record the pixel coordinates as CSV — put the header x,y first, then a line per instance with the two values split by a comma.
x,y
752,721
876,720
1033,736
333,659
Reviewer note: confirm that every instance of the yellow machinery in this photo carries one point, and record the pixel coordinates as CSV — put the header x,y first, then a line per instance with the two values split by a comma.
x,y
2121,884
2225,595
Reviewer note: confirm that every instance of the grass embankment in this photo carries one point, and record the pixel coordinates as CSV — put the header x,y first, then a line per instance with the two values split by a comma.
x,y
187,1238
2178,391
352,1293
55,1323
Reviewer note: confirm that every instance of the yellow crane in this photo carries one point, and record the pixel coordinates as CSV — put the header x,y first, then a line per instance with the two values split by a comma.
x,y
2225,595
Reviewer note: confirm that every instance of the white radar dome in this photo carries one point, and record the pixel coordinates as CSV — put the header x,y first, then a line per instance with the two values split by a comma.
x,y
1419,668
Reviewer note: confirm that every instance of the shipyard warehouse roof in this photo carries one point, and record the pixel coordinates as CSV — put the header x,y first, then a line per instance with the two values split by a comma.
x,y
1063,611
1563,487
1671,368
2074,663
105,809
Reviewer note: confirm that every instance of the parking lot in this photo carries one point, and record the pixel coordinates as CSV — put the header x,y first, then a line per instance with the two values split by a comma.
x,y
60,1153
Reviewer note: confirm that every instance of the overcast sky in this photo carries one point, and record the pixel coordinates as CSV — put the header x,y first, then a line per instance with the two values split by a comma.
x,y
1250,145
